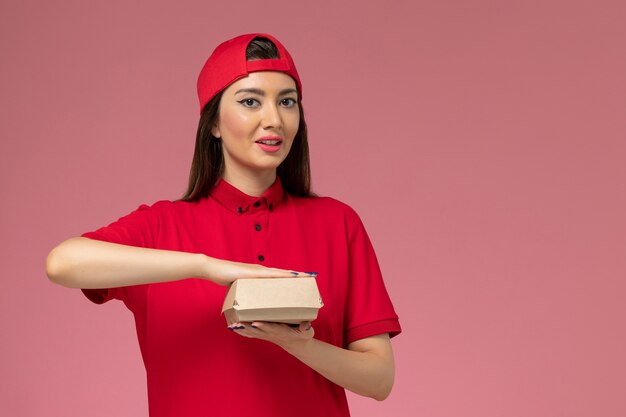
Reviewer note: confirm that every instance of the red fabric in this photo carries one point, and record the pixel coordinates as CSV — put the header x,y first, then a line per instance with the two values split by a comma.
x,y
195,365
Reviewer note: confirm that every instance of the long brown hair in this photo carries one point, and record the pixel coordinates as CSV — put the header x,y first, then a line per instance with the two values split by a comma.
x,y
207,166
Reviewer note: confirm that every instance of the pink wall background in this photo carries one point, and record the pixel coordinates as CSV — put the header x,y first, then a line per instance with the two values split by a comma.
x,y
483,143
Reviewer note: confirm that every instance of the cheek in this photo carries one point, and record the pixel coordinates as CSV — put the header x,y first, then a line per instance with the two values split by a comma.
x,y
234,124
293,123
290,133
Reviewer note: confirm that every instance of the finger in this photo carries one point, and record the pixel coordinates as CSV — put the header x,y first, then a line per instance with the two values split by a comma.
x,y
245,332
270,328
287,274
244,329
234,326
273,273
262,325
283,273
305,326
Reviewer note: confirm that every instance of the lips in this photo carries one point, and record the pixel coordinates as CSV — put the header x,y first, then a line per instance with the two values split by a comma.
x,y
270,140
271,144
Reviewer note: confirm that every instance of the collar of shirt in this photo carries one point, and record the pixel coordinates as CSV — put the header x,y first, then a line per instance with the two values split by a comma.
x,y
238,202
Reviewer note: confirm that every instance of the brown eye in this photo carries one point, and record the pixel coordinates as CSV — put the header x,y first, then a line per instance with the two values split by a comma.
x,y
248,102
288,102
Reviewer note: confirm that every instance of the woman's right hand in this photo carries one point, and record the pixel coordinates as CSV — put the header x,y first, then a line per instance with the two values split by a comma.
x,y
225,272
81,262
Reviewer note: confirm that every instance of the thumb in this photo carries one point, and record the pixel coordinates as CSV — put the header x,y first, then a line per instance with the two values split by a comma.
x,y
305,326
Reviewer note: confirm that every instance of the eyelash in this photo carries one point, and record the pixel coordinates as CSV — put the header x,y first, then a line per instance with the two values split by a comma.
x,y
242,102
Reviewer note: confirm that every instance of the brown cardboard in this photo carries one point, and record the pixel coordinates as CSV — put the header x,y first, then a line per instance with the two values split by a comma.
x,y
281,300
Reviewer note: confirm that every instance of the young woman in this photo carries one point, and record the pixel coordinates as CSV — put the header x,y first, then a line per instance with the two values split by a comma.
x,y
248,213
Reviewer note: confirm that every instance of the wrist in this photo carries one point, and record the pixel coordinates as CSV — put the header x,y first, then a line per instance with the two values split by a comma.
x,y
206,267
299,348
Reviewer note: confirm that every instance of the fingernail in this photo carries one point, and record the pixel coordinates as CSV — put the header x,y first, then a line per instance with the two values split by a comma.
x,y
308,328
254,326
240,327
312,273
230,328
294,273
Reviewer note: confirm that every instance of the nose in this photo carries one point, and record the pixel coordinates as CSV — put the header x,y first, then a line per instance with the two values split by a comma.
x,y
271,117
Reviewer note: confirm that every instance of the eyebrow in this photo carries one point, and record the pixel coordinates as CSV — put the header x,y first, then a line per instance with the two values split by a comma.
x,y
262,93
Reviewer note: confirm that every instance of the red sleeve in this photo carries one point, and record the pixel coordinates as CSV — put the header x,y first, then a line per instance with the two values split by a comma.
x,y
369,310
134,229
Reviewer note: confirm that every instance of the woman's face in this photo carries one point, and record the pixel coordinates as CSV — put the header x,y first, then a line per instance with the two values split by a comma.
x,y
258,120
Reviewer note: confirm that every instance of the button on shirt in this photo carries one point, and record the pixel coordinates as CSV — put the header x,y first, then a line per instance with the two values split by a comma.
x,y
195,366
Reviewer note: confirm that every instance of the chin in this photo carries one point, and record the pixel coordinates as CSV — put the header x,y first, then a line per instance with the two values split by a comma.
x,y
272,162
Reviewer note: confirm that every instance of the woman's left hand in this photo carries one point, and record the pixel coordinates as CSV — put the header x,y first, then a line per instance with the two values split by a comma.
x,y
285,336
366,367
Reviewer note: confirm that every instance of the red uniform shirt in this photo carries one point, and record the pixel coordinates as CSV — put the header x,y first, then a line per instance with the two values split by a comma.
x,y
197,367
